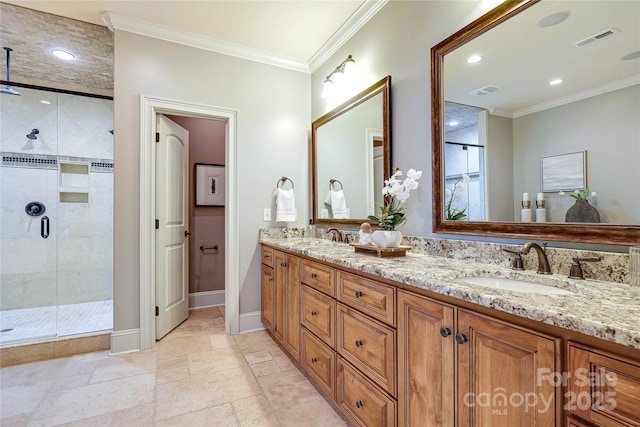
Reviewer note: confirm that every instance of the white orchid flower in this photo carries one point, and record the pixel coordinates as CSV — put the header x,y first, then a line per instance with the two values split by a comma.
x,y
594,194
447,192
396,175
403,197
410,184
414,174
561,193
465,178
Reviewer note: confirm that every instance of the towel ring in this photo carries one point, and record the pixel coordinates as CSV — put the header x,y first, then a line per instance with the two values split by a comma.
x,y
333,181
282,181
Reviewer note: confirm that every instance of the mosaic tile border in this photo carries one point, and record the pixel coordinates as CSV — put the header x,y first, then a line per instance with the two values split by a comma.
x,y
44,161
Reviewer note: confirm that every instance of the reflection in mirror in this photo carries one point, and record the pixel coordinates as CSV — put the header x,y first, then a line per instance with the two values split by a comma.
x,y
496,118
351,147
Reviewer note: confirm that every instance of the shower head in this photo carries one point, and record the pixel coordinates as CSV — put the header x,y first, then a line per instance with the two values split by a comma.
x,y
33,133
7,89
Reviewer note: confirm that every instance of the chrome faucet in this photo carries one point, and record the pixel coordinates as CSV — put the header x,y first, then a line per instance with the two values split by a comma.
x,y
336,236
543,262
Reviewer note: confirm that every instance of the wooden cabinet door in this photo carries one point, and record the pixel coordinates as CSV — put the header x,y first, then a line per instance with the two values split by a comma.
x,y
425,362
318,313
292,306
267,295
368,345
362,402
603,388
280,274
500,374
319,361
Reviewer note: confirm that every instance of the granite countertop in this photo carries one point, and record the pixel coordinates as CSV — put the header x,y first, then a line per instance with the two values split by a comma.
x,y
609,311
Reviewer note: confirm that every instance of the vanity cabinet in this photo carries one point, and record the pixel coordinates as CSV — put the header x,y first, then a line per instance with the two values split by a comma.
x,y
281,298
496,365
602,388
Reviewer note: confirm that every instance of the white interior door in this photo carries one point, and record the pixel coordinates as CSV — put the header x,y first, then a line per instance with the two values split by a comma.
x,y
172,251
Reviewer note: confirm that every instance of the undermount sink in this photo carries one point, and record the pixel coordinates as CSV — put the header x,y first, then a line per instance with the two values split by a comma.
x,y
515,285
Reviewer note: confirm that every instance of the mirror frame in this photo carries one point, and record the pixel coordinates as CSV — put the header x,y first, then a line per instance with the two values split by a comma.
x,y
615,234
383,86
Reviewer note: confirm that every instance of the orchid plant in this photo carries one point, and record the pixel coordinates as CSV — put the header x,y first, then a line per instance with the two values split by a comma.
x,y
455,193
396,192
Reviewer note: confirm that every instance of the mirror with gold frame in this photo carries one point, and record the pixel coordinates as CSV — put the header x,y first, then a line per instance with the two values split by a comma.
x,y
351,157
507,92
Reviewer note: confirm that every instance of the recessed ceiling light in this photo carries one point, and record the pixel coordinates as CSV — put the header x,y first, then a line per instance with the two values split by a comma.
x,y
553,19
555,82
44,101
632,55
473,59
453,123
63,54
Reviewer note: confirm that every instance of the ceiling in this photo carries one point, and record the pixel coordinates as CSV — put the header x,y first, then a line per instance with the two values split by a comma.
x,y
295,29
521,57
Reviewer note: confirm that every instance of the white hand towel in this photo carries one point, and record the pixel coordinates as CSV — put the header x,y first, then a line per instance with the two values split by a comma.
x,y
339,205
285,205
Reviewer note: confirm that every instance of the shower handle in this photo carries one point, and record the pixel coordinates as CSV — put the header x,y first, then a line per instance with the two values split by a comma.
x,y
44,227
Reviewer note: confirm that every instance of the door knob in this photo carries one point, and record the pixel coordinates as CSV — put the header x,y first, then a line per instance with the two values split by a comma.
x,y
186,233
461,338
445,332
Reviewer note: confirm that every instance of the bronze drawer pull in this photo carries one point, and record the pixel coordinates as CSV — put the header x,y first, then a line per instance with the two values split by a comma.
x,y
358,294
461,338
359,404
314,360
359,343
314,313
445,332
314,275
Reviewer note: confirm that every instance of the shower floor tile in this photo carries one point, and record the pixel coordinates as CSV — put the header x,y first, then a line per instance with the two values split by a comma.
x,y
31,324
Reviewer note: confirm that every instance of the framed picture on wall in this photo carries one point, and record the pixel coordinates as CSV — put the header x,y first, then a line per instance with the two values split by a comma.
x,y
209,184
563,172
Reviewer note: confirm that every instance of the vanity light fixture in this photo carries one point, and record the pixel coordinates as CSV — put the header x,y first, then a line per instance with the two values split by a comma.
x,y
336,79
555,82
473,59
62,54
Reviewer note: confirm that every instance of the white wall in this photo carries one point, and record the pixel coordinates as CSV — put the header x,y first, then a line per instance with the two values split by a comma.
x,y
397,42
272,140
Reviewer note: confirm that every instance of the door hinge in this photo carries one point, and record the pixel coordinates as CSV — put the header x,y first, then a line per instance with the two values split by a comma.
x,y
157,311
157,137
157,224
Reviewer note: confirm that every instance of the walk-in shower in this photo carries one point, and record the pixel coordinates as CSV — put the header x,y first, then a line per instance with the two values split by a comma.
x,y
56,216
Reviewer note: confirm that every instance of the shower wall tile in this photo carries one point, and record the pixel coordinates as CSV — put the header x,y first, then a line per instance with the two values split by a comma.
x,y
20,114
101,188
84,127
16,224
22,185
27,290
74,253
102,253
24,256
78,286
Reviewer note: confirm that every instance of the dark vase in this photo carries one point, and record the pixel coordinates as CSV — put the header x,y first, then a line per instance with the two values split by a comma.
x,y
582,211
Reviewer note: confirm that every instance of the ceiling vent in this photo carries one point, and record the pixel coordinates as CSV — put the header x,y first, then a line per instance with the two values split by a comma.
x,y
597,37
485,90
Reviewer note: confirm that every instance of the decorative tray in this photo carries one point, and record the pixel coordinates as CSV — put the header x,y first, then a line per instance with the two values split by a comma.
x,y
382,252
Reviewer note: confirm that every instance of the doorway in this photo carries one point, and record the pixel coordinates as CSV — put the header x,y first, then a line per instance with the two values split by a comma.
x,y
151,107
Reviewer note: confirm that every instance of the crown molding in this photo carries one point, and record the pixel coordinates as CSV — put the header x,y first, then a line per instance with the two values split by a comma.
x,y
610,87
115,21
356,21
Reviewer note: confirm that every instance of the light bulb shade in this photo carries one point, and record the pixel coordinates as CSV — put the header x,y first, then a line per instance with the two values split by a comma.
x,y
327,88
349,66
338,78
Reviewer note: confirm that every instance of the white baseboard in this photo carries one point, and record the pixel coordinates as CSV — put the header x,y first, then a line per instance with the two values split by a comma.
x,y
206,299
250,322
126,341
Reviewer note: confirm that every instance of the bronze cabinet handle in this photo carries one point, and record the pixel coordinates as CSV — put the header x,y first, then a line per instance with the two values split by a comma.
x,y
359,404
359,343
461,338
358,294
445,332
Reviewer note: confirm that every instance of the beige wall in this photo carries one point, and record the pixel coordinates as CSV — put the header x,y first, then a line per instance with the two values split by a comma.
x,y
273,124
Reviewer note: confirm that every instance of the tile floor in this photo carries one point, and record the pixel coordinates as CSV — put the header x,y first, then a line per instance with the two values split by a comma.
x,y
35,323
195,376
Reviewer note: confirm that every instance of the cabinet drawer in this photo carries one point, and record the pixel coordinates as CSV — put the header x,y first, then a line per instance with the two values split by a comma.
x,y
319,277
603,388
361,401
267,256
319,361
574,422
318,314
373,298
368,345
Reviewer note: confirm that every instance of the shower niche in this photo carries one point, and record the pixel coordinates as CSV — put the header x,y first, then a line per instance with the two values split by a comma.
x,y
74,182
